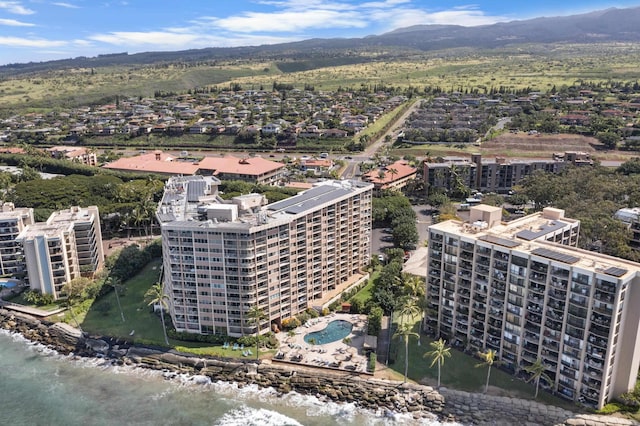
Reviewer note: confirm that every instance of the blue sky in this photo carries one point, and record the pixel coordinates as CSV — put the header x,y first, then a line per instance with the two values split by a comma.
x,y
40,30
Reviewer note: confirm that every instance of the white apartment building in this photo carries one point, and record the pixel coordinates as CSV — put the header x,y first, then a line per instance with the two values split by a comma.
x,y
12,221
522,289
66,246
223,257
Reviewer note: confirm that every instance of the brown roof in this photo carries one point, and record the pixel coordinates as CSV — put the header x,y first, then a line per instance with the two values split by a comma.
x,y
256,166
160,162
154,162
402,168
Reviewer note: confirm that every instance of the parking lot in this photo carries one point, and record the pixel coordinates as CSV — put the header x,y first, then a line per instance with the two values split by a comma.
x,y
380,240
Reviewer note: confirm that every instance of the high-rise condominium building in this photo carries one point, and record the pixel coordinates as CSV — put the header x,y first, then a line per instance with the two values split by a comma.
x,y
12,222
64,247
522,289
223,257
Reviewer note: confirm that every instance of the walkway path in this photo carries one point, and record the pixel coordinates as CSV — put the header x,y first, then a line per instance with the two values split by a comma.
x,y
29,310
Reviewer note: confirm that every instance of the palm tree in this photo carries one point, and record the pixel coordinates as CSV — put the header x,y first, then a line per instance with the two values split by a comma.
x,y
392,172
407,308
490,357
116,284
256,316
405,330
156,296
537,371
439,352
74,292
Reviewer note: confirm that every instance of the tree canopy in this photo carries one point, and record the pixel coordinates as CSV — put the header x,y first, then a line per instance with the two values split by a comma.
x,y
592,195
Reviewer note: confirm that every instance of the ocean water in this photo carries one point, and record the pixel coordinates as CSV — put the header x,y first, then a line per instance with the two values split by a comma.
x,y
40,387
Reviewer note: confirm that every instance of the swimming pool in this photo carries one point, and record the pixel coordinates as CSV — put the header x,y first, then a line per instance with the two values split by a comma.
x,y
334,331
8,283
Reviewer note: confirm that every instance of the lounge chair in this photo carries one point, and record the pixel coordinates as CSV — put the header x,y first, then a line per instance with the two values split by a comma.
x,y
235,347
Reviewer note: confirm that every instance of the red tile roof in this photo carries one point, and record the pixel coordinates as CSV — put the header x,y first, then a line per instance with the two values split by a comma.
x,y
402,168
256,166
160,162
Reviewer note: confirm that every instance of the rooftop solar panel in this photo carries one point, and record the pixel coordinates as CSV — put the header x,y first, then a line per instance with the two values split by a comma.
x,y
615,271
309,204
547,228
306,195
554,255
499,241
195,189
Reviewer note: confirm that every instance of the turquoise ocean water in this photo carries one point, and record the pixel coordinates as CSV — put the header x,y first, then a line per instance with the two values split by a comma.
x,y
40,387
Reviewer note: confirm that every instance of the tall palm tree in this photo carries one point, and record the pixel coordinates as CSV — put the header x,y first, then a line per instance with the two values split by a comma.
x,y
405,330
537,371
256,316
74,291
490,357
416,287
407,308
116,284
156,296
438,354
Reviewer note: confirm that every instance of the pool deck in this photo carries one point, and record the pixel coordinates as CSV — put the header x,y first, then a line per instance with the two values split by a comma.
x,y
334,355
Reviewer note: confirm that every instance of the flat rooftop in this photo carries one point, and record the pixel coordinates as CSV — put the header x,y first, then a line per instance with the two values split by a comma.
x,y
522,235
185,198
45,229
74,214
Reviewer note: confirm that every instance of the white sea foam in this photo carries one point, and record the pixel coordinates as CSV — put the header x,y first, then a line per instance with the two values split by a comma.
x,y
314,406
246,416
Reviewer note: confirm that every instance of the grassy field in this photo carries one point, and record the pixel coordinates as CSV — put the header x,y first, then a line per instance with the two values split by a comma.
x,y
103,318
535,67
460,372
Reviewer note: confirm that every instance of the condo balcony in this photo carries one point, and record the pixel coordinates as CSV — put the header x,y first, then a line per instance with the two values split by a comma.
x,y
558,294
593,374
533,327
597,341
605,287
599,330
553,325
478,317
604,297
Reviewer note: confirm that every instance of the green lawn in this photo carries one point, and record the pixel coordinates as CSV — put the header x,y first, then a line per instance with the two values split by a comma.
x,y
460,372
103,318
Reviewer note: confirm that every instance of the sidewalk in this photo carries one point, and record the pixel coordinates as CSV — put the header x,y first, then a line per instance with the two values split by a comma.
x,y
29,310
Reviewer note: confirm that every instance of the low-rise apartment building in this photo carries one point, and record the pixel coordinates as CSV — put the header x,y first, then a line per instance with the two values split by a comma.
x,y
223,257
494,175
523,289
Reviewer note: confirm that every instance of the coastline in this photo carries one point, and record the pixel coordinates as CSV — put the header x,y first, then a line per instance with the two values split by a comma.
x,y
417,401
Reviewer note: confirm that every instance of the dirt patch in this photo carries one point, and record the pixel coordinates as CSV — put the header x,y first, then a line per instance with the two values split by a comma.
x,y
115,244
541,143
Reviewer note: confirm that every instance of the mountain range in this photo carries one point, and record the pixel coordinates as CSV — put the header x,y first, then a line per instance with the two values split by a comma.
x,y
609,25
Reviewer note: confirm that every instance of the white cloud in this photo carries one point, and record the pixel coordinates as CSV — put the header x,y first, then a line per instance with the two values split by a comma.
x,y
180,39
67,5
289,21
29,42
408,17
296,16
15,7
14,23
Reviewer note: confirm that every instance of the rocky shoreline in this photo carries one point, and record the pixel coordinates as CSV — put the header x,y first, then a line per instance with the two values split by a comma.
x,y
422,402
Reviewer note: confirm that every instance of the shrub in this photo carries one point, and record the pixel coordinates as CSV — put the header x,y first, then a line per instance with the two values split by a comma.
x,y
184,336
269,340
37,298
371,364
290,323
